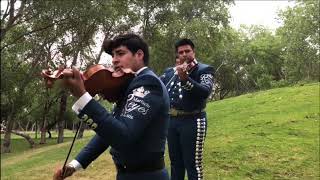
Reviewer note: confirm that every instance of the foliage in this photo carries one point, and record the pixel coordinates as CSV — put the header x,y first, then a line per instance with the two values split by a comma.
x,y
300,36
36,35
200,21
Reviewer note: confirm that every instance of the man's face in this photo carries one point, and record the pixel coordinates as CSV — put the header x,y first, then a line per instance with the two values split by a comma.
x,y
185,53
122,57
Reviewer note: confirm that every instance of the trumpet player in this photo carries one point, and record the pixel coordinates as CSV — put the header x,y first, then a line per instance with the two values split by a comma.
x,y
189,84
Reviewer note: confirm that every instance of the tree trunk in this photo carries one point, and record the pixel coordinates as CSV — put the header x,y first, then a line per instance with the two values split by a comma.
x,y
5,146
50,136
61,121
44,122
26,136
19,133
43,128
60,131
36,130
33,127
43,132
27,126
20,127
50,126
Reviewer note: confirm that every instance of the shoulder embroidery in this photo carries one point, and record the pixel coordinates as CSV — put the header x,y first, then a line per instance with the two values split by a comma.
x,y
140,92
206,79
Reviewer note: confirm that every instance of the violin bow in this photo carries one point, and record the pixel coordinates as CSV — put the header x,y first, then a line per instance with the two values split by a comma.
x,y
74,139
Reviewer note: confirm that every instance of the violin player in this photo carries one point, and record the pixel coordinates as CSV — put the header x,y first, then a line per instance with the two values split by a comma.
x,y
136,130
189,84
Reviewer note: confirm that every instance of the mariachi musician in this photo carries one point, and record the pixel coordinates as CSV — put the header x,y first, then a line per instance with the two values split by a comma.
x,y
189,84
136,130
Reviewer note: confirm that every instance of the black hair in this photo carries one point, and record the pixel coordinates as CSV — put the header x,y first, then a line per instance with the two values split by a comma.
x,y
183,42
132,41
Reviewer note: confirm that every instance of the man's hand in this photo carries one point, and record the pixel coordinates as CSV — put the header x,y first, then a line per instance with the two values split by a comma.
x,y
182,72
74,83
58,175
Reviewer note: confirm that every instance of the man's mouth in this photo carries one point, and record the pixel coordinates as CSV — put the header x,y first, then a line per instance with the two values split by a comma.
x,y
117,68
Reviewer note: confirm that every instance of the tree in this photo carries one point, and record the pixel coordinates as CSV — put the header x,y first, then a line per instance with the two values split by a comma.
x,y
262,54
201,21
35,35
300,36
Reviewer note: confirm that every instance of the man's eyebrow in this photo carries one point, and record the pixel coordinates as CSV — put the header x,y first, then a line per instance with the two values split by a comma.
x,y
186,50
118,51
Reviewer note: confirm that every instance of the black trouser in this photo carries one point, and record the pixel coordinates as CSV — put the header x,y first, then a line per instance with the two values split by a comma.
x,y
185,141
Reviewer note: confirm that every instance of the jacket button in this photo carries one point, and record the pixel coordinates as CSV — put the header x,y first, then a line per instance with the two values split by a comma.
x,y
84,117
94,125
89,121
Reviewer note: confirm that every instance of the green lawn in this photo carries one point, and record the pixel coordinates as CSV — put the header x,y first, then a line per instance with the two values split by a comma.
x,y
20,145
270,134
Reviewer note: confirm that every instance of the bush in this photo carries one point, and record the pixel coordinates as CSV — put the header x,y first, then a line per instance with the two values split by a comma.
x,y
280,83
264,82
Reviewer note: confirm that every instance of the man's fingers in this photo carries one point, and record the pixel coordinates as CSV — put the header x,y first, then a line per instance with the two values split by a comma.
x,y
58,174
68,171
179,68
76,73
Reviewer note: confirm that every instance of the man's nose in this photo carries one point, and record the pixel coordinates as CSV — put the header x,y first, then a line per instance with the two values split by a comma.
x,y
115,60
184,54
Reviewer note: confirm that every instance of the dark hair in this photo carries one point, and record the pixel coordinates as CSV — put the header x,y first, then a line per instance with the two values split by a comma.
x,y
132,41
183,42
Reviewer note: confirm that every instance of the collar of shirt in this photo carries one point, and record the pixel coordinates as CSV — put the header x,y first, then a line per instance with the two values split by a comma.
x,y
195,61
140,70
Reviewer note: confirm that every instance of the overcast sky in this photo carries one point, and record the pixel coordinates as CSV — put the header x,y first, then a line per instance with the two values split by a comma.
x,y
262,12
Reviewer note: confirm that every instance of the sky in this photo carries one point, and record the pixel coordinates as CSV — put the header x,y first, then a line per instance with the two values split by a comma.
x,y
259,12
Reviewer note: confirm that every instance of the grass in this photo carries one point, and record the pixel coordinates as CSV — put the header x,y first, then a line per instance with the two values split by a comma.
x,y
20,145
270,134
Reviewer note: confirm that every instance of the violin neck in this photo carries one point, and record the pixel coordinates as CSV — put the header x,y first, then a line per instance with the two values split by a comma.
x,y
191,64
67,73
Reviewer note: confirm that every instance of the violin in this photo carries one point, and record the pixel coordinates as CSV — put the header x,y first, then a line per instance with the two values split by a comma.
x,y
187,66
98,79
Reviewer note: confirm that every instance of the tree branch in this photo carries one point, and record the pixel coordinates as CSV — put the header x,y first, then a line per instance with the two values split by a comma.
x,y
12,18
29,33
5,13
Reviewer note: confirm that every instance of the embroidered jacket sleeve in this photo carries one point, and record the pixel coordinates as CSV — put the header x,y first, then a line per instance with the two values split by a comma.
x,y
91,151
164,77
204,86
141,106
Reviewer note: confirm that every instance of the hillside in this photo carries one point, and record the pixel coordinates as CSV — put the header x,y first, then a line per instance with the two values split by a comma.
x,y
270,134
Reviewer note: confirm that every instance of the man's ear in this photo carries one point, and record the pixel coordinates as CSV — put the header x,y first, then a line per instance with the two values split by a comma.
x,y
140,54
